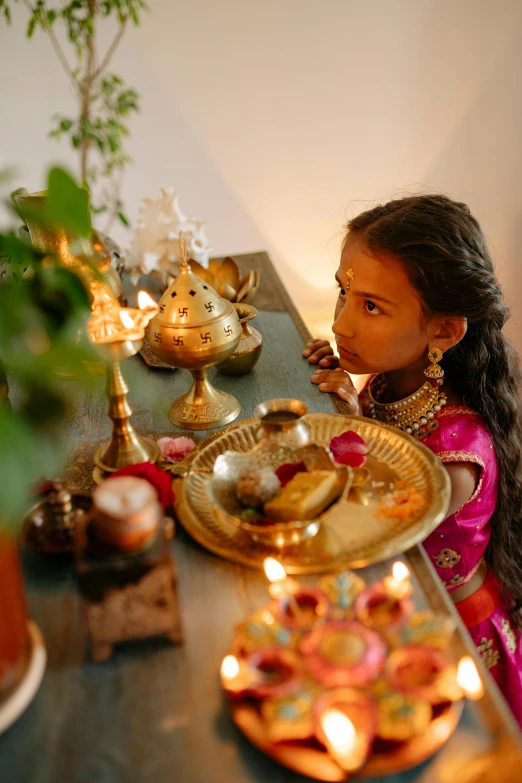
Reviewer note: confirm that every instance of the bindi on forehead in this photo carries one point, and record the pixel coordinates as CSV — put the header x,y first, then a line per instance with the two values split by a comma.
x,y
377,273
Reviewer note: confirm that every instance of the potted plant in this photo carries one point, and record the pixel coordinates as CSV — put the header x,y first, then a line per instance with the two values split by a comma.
x,y
42,307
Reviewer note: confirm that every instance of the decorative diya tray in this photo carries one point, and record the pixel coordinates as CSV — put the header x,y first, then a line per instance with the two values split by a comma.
x,y
344,678
352,533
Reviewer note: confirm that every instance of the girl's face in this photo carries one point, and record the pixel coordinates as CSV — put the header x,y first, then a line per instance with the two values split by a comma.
x,y
379,323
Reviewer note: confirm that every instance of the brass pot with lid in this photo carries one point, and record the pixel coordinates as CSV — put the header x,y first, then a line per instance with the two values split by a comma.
x,y
194,329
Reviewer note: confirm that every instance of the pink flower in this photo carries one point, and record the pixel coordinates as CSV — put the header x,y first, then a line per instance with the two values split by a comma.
x,y
286,472
175,449
349,449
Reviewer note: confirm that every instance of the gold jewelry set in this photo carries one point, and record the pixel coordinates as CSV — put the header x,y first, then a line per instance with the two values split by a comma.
x,y
416,414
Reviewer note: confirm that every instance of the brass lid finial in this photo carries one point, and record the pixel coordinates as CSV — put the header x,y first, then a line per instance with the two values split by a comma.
x,y
182,251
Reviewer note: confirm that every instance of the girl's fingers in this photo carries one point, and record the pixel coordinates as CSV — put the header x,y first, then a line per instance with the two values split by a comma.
x,y
329,361
313,345
319,353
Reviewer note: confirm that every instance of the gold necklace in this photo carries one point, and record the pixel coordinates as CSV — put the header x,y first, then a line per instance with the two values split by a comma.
x,y
416,414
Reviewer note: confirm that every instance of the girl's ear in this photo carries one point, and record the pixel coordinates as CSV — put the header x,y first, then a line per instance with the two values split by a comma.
x,y
445,331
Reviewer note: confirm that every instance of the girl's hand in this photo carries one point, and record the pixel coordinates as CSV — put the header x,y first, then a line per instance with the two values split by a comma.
x,y
338,381
320,351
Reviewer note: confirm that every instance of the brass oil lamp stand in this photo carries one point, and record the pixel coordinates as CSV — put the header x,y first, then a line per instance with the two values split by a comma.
x,y
117,332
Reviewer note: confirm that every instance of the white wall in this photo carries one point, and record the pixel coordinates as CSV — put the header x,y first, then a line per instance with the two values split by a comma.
x,y
278,119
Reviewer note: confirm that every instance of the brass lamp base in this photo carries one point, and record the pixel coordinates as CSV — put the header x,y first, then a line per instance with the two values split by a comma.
x,y
203,407
118,453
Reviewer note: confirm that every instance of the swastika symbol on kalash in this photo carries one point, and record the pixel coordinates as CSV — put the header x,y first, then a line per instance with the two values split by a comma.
x,y
162,309
228,330
205,338
177,340
182,311
209,306
157,337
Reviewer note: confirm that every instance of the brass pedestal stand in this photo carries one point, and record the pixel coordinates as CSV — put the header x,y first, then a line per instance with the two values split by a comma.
x,y
126,447
203,406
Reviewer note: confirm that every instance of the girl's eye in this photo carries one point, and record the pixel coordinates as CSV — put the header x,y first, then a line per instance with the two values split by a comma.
x,y
342,292
372,308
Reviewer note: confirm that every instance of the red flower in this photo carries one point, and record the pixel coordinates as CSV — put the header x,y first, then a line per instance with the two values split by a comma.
x,y
349,449
160,480
286,472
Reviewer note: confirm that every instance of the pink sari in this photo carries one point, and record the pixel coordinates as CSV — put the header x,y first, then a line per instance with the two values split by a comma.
x,y
456,549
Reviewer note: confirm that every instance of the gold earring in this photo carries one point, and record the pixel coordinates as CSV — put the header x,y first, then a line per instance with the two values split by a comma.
x,y
434,371
349,278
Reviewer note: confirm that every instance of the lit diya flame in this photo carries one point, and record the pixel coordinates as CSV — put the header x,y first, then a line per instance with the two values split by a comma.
x,y
281,587
469,679
127,320
111,323
145,301
398,584
280,584
235,676
348,748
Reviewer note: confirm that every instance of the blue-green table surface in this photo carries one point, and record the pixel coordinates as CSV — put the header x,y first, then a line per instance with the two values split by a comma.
x,y
155,713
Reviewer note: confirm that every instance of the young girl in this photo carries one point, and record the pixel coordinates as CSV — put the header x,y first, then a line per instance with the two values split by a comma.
x,y
420,311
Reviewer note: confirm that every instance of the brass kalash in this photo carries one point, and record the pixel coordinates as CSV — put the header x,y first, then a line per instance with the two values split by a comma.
x,y
196,328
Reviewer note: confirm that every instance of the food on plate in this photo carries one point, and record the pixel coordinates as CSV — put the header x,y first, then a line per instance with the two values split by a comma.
x,y
257,486
305,496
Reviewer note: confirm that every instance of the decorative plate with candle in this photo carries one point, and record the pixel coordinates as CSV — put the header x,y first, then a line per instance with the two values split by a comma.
x,y
338,697
352,534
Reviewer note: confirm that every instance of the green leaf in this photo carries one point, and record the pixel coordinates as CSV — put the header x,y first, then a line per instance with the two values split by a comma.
x,y
67,205
124,219
31,27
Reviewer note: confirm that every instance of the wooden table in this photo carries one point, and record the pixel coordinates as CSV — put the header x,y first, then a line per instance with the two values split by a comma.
x,y
155,713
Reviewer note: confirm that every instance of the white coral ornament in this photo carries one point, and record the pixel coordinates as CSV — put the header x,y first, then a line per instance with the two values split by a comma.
x,y
155,245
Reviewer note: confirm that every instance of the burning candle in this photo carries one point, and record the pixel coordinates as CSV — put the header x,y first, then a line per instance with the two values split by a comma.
x,y
235,675
398,585
469,679
423,672
348,747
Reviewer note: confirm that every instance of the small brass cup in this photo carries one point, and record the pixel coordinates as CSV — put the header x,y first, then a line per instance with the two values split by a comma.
x,y
283,419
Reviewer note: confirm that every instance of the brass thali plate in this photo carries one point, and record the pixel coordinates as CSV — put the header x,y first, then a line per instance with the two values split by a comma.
x,y
351,537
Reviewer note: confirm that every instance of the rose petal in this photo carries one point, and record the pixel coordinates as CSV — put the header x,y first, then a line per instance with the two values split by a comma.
x,y
161,481
175,449
286,472
352,459
348,443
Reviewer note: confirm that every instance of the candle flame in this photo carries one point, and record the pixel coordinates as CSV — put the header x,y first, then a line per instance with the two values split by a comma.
x,y
229,667
145,301
274,570
469,679
127,320
400,572
339,731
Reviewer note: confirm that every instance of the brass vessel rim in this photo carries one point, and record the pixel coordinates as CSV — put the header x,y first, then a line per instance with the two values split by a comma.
x,y
281,404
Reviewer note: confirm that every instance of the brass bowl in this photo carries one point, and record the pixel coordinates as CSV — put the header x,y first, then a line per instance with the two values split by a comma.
x,y
247,353
221,489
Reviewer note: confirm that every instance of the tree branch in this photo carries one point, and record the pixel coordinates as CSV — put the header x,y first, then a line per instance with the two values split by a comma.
x,y
58,49
110,51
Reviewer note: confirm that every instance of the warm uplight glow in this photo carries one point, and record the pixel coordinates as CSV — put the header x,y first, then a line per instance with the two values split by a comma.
x,y
400,571
469,679
268,618
229,667
127,320
274,570
145,301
